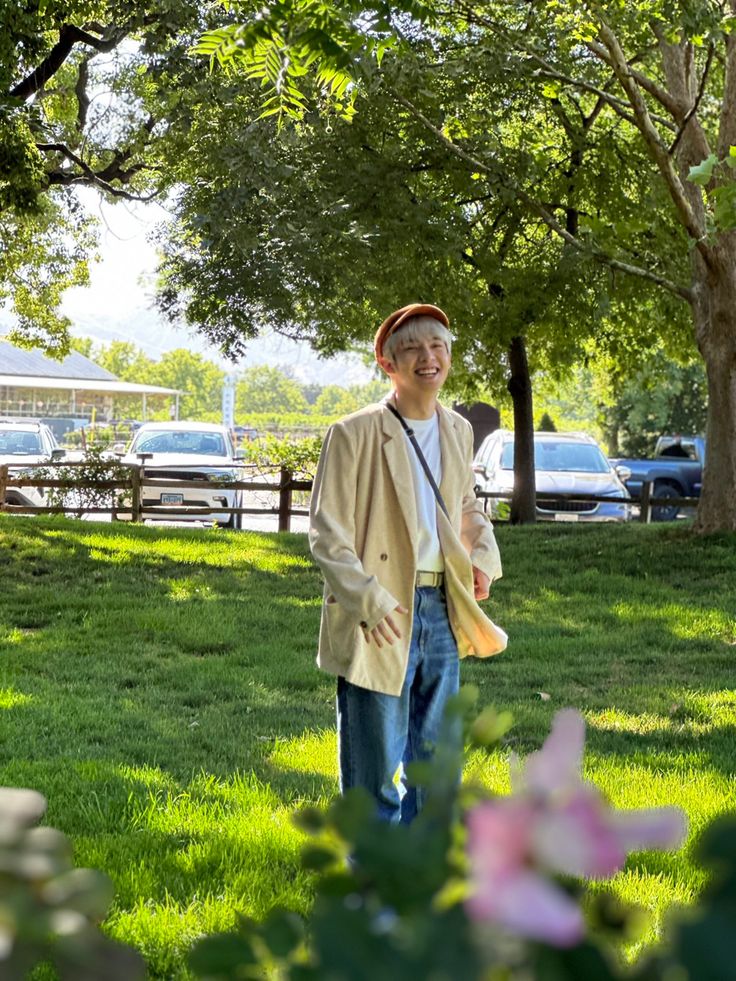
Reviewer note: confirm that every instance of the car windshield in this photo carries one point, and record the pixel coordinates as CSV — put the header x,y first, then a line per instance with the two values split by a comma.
x,y
16,442
181,441
560,456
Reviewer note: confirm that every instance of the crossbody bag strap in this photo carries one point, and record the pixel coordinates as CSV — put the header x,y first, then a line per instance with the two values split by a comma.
x,y
425,466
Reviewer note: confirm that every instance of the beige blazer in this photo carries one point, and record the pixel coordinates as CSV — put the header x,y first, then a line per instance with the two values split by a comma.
x,y
363,535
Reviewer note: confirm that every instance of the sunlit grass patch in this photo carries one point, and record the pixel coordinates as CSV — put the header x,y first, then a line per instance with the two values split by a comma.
x,y
202,852
189,588
489,769
311,752
681,619
655,895
10,698
617,720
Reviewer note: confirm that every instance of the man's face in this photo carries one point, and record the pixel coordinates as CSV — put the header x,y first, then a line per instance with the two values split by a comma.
x,y
419,365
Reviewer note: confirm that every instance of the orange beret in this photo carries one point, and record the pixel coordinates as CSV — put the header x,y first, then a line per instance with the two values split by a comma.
x,y
399,317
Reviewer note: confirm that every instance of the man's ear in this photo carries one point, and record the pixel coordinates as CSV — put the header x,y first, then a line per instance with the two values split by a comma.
x,y
388,366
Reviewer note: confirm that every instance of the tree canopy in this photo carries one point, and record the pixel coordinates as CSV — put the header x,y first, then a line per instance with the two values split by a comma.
x,y
623,151
85,93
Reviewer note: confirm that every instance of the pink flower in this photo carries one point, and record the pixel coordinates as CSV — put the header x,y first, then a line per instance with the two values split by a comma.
x,y
553,822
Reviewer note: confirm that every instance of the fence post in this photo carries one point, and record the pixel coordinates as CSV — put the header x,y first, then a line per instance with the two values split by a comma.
x,y
4,470
136,477
285,500
645,503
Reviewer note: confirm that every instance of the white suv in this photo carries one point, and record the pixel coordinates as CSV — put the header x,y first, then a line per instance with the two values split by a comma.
x,y
199,452
23,444
565,464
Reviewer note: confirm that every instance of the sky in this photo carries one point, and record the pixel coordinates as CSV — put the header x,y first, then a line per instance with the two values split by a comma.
x,y
118,304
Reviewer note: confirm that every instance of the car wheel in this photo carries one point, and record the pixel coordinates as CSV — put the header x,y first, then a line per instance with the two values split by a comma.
x,y
665,512
235,521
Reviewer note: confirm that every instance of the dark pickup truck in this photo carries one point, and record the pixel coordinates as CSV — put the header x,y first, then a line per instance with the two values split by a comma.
x,y
675,471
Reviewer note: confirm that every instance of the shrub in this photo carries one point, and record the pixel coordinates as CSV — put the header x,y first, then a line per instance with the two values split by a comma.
x,y
298,455
480,888
49,910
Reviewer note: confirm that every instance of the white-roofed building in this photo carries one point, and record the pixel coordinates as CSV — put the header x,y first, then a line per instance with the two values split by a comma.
x,y
75,390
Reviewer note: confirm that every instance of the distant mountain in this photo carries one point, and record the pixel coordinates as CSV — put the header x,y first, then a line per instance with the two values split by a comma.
x,y
148,331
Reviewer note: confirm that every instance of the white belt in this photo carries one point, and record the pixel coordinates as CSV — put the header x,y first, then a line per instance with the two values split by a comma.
x,y
429,579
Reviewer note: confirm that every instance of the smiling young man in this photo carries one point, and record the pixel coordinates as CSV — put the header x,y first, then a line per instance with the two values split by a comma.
x,y
404,563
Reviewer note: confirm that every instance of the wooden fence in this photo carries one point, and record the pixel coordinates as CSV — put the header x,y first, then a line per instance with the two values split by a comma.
x,y
129,480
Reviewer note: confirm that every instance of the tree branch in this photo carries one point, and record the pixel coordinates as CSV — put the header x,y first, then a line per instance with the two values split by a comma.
x,y
80,90
683,292
549,71
618,105
114,170
89,176
663,97
653,140
69,35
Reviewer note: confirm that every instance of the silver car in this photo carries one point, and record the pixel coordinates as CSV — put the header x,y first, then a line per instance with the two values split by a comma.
x,y
566,464
199,452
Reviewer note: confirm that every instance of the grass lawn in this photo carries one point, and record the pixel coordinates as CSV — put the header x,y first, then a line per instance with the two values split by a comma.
x,y
159,687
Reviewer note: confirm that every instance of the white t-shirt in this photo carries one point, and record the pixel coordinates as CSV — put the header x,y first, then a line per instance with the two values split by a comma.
x,y
427,432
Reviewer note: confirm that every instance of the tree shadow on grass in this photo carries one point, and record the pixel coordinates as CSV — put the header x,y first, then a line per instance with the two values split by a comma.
x,y
188,662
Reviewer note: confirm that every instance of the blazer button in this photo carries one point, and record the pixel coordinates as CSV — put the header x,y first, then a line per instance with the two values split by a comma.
x,y
383,556
364,625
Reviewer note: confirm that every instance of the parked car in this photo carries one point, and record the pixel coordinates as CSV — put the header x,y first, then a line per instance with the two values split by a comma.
x,y
197,451
23,444
565,464
244,434
675,471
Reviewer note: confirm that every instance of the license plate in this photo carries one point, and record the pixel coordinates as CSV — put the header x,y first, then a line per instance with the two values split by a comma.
x,y
564,516
172,498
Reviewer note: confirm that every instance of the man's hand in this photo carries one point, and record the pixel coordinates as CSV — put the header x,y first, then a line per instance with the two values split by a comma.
x,y
385,630
481,584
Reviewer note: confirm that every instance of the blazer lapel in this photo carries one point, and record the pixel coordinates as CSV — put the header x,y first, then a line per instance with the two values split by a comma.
x,y
395,451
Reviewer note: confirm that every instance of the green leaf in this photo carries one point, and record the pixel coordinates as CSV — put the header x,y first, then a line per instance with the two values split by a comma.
x,y
490,727
21,808
317,858
724,207
351,812
462,703
282,931
220,954
309,819
701,174
84,890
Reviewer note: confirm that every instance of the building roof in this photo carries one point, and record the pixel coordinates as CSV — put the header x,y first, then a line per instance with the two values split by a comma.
x,y
110,385
31,369
18,361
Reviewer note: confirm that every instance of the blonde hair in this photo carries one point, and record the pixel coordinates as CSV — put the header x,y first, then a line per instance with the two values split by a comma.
x,y
414,329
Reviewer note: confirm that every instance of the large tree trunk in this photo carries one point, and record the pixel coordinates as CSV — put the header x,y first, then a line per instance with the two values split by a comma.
x,y
714,312
524,498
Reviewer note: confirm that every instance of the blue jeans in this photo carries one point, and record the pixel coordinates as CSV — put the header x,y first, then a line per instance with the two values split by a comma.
x,y
378,734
